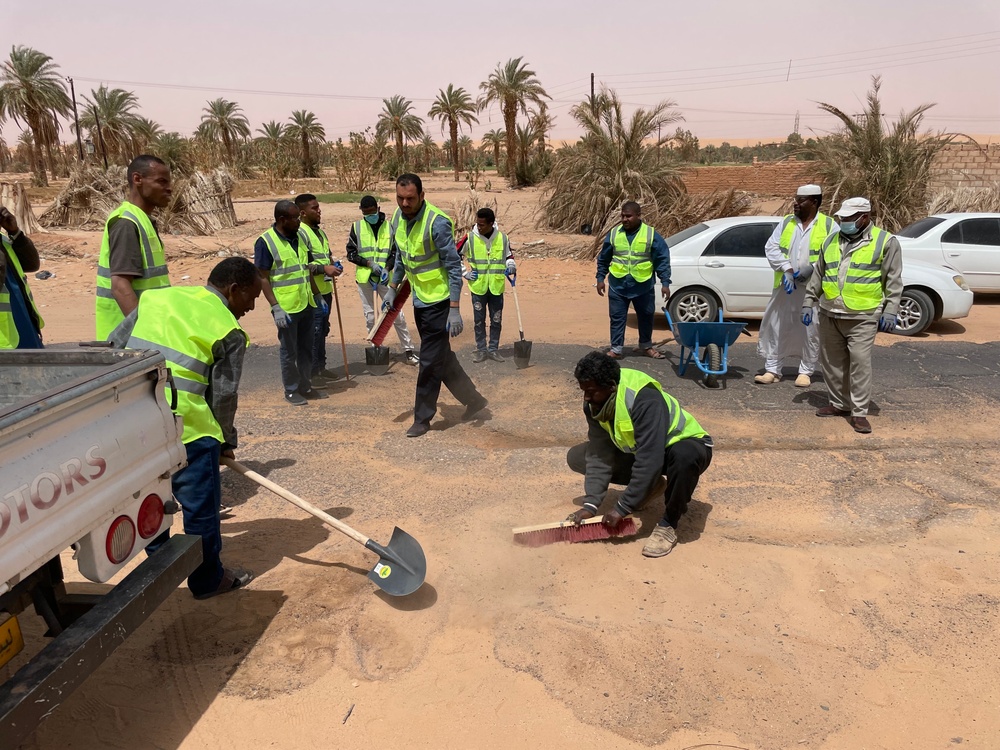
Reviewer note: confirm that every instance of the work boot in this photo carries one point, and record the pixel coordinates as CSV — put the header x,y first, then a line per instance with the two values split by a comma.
x,y
660,542
479,356
861,424
495,356
830,411
766,378
803,381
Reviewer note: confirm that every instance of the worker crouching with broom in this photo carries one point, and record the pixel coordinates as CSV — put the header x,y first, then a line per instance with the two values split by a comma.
x,y
637,434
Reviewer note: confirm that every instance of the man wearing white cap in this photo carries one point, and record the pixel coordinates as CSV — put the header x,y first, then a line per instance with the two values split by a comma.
x,y
792,250
858,284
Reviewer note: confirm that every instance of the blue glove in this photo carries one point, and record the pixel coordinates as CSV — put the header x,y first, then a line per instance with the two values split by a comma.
x,y
281,318
807,316
887,323
321,304
338,265
471,275
788,282
455,324
511,272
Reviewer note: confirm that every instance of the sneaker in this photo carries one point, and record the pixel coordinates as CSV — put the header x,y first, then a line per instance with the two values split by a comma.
x,y
478,357
474,408
495,356
767,378
295,399
326,375
411,358
225,510
660,542
417,429
803,380
313,395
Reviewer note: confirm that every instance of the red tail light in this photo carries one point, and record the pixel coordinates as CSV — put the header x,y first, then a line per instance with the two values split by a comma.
x,y
121,539
150,516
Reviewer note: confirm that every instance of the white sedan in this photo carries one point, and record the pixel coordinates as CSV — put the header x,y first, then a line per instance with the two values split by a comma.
x,y
720,264
969,243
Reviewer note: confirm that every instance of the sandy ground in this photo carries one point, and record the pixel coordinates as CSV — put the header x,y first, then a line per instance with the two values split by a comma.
x,y
829,591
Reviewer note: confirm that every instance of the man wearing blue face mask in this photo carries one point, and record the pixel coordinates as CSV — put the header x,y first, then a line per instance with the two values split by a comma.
x,y
369,247
858,284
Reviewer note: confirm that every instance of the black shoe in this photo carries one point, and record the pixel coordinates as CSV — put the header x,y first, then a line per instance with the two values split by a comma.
x,y
417,429
474,408
479,357
326,375
295,399
314,395
495,356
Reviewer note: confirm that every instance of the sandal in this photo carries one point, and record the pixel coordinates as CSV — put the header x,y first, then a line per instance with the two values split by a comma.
x,y
653,353
232,579
615,355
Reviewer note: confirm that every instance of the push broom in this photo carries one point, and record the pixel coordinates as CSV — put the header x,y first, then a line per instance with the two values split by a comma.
x,y
590,530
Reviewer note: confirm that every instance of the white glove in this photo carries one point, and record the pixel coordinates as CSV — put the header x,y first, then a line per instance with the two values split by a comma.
x,y
281,318
455,324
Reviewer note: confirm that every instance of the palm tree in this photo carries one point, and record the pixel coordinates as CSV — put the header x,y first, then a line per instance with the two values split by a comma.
x,y
114,110
613,162
464,149
428,150
495,139
541,123
146,133
304,127
453,107
446,153
32,91
272,134
173,149
513,86
398,121
225,121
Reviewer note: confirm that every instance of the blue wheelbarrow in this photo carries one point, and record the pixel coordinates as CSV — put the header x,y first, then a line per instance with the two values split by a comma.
x,y
706,344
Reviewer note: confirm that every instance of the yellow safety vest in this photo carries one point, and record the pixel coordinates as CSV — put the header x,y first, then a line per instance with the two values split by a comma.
x,y
862,289
488,257
371,248
682,424
635,257
318,246
821,229
9,337
154,267
184,324
290,272
420,258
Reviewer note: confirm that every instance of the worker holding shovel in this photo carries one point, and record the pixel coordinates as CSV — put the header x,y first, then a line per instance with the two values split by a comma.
x,y
491,261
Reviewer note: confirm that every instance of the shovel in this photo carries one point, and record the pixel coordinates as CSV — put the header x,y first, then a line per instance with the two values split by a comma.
x,y
522,348
401,567
377,355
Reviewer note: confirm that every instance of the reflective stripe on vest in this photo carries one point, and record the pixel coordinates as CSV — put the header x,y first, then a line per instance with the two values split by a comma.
x,y
622,432
862,289
318,247
289,274
635,257
9,337
817,239
420,258
371,248
154,266
488,257
184,324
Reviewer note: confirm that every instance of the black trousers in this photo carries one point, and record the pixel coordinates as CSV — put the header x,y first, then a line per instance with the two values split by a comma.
x,y
683,464
438,363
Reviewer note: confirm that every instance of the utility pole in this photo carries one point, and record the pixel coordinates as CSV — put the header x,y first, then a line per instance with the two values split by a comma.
x,y
796,128
76,119
100,138
659,138
593,98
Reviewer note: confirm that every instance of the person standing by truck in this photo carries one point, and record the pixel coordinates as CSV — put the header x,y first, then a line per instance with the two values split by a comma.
x,y
20,322
196,330
132,258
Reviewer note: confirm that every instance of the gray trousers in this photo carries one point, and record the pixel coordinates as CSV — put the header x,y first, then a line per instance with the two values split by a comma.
x,y
367,293
845,356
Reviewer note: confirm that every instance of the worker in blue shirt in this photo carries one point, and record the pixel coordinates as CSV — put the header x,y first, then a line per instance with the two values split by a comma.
x,y
632,252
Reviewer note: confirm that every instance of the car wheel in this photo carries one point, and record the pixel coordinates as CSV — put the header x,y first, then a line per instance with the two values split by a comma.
x,y
693,306
916,312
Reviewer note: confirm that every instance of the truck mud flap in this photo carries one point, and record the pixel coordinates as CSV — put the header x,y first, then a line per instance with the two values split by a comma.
x,y
47,680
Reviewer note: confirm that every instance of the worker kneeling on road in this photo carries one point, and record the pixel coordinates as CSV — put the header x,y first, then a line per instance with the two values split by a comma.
x,y
196,330
637,433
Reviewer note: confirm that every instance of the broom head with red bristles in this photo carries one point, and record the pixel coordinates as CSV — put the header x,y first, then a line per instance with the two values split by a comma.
x,y
592,529
385,321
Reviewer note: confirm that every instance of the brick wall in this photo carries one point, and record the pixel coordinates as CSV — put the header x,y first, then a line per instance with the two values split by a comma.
x,y
768,179
966,165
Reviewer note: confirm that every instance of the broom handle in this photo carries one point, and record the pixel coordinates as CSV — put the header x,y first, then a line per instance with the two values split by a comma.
x,y
517,306
340,325
277,489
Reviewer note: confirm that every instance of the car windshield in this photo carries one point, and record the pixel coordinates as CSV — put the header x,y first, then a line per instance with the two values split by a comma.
x,y
918,228
684,234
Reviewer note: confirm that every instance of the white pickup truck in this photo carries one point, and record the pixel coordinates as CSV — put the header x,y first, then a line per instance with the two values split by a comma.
x,y
87,447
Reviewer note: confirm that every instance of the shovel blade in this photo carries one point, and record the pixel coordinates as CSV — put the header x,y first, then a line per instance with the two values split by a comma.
x,y
522,353
377,359
401,567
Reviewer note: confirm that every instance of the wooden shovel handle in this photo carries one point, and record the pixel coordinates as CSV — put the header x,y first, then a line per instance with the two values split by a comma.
x,y
277,489
517,306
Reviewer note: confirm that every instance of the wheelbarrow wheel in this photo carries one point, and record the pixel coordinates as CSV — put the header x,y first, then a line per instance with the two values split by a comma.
x,y
714,355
